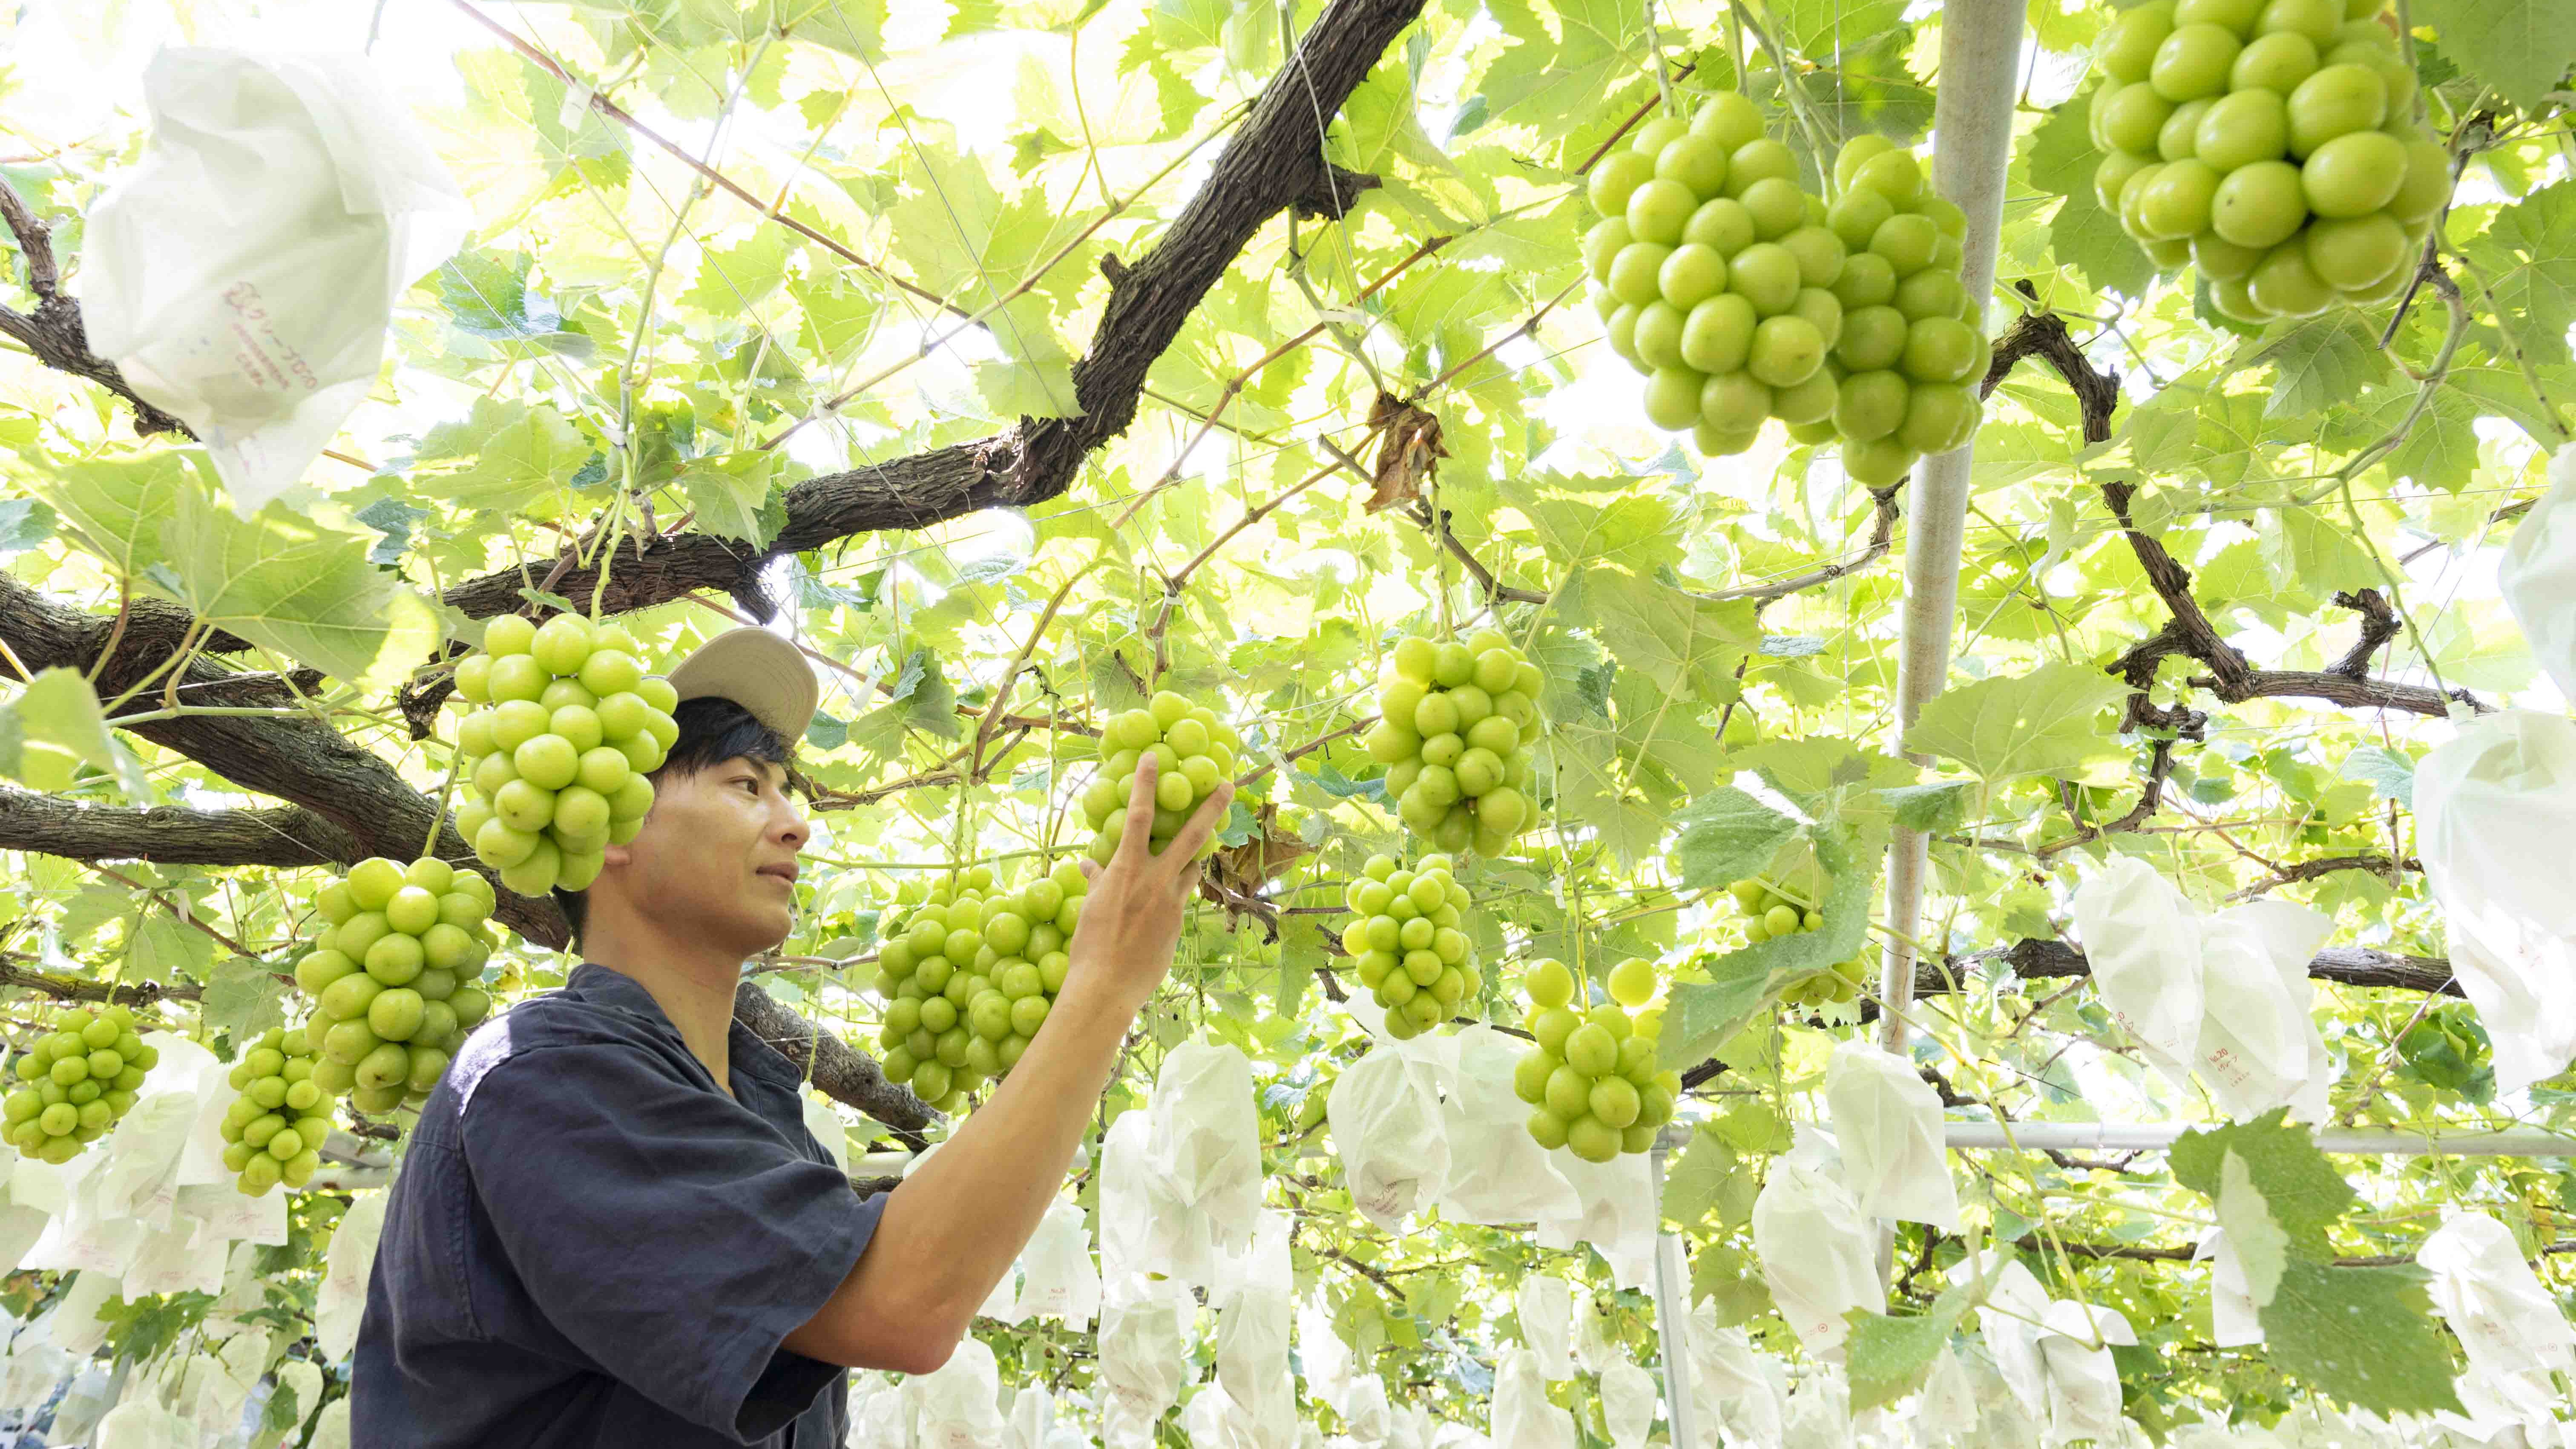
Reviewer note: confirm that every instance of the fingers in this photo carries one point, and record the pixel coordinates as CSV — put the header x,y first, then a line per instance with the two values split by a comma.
x,y
1184,847
1135,841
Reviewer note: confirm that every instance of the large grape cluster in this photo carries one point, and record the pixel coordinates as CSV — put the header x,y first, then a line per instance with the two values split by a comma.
x,y
1744,298
1194,752
2270,143
557,756
393,978
1908,363
1408,941
969,974
1456,723
1593,1078
76,1082
273,1131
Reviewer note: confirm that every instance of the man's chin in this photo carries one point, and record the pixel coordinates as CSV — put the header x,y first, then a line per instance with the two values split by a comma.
x,y
770,932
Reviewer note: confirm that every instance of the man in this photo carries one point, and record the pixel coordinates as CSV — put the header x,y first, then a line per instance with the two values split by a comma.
x,y
612,1228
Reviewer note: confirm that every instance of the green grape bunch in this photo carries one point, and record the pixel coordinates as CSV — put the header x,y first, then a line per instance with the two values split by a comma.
x,y
273,1131
569,726
1194,752
969,974
393,978
1457,723
1406,936
2272,144
1743,297
77,1082
1768,914
1593,1078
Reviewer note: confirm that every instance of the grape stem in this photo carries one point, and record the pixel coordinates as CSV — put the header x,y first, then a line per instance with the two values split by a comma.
x,y
1789,91
1655,56
446,791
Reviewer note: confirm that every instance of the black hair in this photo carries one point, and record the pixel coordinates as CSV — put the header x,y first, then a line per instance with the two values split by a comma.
x,y
712,731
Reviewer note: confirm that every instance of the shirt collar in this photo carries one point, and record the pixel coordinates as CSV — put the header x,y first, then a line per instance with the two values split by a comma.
x,y
607,986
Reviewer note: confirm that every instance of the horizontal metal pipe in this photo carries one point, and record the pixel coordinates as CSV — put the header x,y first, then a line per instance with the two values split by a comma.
x,y
2155,1136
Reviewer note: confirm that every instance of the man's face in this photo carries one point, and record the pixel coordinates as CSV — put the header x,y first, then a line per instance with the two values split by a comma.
x,y
716,860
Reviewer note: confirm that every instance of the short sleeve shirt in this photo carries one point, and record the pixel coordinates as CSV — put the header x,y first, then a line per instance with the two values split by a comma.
x,y
590,1244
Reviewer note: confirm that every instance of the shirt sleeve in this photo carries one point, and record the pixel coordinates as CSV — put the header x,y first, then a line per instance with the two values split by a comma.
x,y
665,1229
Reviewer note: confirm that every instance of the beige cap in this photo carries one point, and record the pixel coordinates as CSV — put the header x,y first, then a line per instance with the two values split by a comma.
x,y
758,670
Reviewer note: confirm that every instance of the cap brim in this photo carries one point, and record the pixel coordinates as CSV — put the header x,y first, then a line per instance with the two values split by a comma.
x,y
758,670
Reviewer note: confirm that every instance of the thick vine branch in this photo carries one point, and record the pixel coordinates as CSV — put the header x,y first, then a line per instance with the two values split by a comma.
x,y
72,988
2232,677
283,836
2378,865
837,1071
2349,965
2043,335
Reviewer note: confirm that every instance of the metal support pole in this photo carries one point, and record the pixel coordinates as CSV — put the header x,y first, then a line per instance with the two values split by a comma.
x,y
1972,123
2156,1136
1670,1324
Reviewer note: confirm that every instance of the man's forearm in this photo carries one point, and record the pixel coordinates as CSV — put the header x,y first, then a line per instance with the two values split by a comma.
x,y
956,1225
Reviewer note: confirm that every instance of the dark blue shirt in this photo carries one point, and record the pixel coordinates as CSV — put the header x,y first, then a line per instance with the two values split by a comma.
x,y
591,1244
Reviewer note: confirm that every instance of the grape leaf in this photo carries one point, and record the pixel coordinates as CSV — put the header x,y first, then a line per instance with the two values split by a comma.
x,y
1692,1185
486,295
244,998
161,947
523,454
1549,81
1592,785
727,491
2361,1335
1700,1014
1685,645
2529,254
2300,1188
1606,522
2390,772
2041,723
2261,1248
734,280
1887,1358
2319,363
287,584
1933,806
2306,550
2521,47
1726,836
24,523
394,519
53,726
116,505
2060,160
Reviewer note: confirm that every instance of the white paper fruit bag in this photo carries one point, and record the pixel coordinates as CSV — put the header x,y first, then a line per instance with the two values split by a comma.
x,y
243,276
1887,1121
2222,997
2494,810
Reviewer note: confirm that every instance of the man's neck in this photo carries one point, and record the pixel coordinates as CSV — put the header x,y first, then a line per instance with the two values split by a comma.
x,y
694,988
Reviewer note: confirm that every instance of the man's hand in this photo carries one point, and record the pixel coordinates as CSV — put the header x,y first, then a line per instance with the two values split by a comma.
x,y
1131,919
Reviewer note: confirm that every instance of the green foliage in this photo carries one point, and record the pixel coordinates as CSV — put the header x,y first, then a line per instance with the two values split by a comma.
x,y
624,350
2040,723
